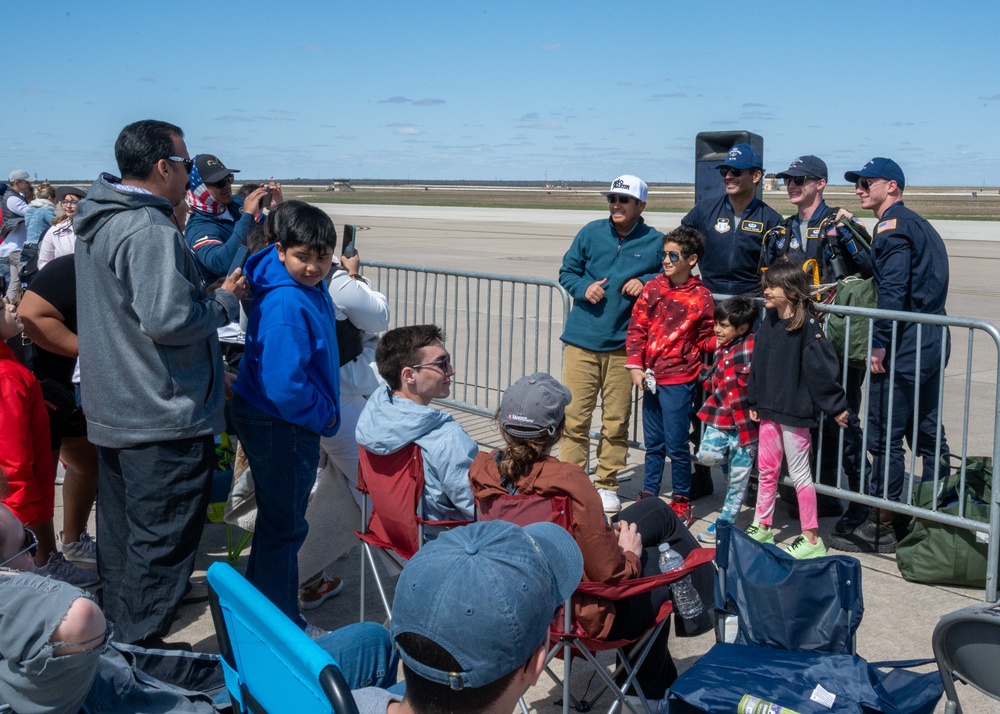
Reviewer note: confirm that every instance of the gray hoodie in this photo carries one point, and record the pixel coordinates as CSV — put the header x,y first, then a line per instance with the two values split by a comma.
x,y
150,364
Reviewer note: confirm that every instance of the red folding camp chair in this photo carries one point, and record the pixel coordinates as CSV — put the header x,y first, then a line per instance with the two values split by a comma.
x,y
393,484
567,638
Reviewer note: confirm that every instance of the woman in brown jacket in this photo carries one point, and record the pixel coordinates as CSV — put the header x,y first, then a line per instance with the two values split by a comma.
x,y
531,417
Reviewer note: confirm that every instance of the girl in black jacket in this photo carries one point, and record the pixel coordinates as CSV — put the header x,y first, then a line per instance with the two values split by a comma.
x,y
793,376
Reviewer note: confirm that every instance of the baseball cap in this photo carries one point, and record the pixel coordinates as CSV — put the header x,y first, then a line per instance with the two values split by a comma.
x,y
805,166
533,406
18,175
742,156
879,167
486,593
628,185
211,168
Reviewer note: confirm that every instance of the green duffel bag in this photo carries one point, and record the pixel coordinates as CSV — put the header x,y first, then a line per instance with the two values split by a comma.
x,y
937,553
853,291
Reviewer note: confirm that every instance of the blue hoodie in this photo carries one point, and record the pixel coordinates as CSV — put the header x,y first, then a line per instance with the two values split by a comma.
x,y
291,366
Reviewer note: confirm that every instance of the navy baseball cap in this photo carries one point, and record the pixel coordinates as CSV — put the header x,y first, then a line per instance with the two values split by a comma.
x,y
879,167
534,406
808,165
486,593
742,156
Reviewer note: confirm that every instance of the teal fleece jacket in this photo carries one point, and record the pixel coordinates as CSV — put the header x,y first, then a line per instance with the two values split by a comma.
x,y
598,252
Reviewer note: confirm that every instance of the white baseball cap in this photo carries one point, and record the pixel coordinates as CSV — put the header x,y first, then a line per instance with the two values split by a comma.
x,y
628,185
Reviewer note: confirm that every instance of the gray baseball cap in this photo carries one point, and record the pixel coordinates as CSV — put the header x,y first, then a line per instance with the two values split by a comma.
x,y
533,406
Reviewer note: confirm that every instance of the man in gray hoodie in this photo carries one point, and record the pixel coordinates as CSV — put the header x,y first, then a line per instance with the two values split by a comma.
x,y
151,377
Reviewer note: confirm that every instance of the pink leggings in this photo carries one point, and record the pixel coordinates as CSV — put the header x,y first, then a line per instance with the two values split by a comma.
x,y
794,442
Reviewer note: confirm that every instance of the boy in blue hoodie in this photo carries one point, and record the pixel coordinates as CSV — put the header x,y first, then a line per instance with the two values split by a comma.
x,y
287,392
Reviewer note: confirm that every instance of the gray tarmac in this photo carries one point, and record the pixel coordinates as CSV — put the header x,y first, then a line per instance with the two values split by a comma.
x,y
899,616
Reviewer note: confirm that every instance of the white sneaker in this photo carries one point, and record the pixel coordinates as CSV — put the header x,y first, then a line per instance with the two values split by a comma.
x,y
315,632
610,501
58,568
80,551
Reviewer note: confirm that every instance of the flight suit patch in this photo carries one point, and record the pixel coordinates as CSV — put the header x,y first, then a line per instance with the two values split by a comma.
x,y
722,225
749,226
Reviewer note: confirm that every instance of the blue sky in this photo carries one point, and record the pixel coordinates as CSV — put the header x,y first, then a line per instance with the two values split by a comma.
x,y
514,90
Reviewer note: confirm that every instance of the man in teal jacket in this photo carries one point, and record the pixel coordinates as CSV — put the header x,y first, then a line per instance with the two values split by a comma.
x,y
604,270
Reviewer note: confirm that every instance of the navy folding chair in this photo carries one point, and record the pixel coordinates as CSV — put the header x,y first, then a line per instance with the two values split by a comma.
x,y
270,664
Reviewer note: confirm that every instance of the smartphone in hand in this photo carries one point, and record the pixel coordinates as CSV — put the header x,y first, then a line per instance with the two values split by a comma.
x,y
239,260
349,249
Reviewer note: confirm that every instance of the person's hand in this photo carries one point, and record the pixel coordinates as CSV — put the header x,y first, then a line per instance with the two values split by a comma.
x,y
841,419
638,377
877,360
236,284
629,538
229,378
332,423
633,288
276,195
595,291
252,203
351,265
754,416
843,213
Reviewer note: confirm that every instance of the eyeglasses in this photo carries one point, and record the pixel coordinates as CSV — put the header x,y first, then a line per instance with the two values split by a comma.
x,y
617,198
798,180
68,202
865,184
188,163
442,363
221,183
30,545
726,171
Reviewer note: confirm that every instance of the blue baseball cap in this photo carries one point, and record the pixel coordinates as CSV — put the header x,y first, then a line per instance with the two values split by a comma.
x,y
486,593
742,156
879,167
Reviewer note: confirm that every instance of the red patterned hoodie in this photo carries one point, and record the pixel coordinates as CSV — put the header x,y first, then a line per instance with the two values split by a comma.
x,y
671,327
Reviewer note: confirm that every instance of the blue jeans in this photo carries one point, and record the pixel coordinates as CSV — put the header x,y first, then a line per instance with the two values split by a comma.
x,y
283,458
665,422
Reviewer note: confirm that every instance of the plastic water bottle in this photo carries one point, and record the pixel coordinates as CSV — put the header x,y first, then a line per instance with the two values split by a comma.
x,y
686,598
750,704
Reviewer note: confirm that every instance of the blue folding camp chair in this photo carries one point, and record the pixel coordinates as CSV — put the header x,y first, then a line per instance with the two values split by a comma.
x,y
786,631
270,664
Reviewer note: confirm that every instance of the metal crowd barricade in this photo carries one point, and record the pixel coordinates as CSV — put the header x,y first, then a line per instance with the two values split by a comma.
x,y
497,327
500,327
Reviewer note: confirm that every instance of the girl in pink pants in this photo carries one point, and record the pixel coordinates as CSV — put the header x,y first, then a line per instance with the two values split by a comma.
x,y
793,376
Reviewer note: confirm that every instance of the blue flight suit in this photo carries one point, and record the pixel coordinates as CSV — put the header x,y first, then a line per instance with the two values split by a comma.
x,y
911,274
732,244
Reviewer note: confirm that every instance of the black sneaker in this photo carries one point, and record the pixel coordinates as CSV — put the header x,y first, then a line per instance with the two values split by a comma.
x,y
701,483
856,514
872,536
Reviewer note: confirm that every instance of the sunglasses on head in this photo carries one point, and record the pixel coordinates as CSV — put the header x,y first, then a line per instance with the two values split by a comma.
x,y
726,171
188,163
798,180
29,545
866,183
618,198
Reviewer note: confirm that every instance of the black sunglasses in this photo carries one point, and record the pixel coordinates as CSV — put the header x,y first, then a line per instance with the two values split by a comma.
x,y
442,363
865,184
30,545
188,163
221,183
725,171
618,198
798,180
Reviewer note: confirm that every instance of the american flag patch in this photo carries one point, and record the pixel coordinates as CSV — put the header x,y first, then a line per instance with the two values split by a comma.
x,y
889,225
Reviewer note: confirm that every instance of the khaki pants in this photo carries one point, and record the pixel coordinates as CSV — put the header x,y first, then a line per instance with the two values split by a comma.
x,y
589,374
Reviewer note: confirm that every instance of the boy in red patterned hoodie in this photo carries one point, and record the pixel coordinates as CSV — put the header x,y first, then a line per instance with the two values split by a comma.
x,y
730,435
671,327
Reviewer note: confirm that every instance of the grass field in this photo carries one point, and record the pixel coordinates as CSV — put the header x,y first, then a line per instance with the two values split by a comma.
x,y
948,203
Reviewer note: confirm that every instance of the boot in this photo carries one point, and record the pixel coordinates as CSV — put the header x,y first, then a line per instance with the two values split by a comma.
x,y
857,513
875,535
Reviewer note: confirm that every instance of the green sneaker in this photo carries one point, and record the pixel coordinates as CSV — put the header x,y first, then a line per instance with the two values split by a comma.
x,y
759,533
802,549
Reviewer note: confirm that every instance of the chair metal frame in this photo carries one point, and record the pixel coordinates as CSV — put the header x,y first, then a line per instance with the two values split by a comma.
x,y
258,643
967,646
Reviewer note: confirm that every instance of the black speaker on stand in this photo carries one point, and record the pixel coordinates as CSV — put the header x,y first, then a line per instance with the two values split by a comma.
x,y
710,148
